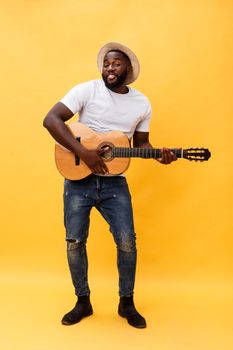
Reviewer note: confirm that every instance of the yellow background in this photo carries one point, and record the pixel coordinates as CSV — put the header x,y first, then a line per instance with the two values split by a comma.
x,y
183,212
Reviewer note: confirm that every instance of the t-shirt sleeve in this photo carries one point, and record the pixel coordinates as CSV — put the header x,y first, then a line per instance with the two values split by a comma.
x,y
77,97
144,124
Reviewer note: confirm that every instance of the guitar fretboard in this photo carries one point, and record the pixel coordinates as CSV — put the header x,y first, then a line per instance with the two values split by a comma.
x,y
122,152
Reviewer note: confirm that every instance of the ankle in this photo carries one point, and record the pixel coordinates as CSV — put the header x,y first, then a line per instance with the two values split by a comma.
x,y
84,299
126,301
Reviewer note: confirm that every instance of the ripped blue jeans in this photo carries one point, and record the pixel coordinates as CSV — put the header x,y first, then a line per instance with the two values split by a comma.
x,y
111,197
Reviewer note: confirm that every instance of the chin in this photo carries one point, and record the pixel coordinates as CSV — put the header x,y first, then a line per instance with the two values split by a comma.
x,y
113,85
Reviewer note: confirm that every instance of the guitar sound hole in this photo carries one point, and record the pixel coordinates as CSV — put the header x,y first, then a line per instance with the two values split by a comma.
x,y
106,151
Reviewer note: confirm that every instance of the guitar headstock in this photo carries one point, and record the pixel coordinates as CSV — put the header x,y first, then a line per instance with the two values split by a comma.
x,y
197,154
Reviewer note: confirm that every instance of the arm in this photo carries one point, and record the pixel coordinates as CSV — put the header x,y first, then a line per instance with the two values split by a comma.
x,y
54,122
141,139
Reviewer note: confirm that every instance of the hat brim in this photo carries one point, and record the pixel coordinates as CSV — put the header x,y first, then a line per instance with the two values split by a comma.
x,y
132,76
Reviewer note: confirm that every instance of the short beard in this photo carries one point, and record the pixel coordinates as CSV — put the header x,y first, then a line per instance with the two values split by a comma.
x,y
118,83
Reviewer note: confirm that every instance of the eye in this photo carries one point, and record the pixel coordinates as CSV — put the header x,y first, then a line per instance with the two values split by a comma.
x,y
114,65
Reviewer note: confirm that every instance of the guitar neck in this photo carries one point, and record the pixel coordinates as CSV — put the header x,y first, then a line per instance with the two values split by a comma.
x,y
123,152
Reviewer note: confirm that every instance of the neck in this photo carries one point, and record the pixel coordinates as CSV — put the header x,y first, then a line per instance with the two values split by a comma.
x,y
125,152
123,89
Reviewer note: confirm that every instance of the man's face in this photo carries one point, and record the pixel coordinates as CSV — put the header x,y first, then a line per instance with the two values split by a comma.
x,y
115,69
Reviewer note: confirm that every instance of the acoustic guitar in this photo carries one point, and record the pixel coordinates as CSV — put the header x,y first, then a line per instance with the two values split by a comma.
x,y
116,152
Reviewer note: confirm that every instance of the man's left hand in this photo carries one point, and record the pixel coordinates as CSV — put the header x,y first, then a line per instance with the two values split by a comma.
x,y
167,156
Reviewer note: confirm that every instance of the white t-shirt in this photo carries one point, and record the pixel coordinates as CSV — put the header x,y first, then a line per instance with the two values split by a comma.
x,y
104,110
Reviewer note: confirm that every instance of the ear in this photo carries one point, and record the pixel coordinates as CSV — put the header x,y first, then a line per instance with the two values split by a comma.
x,y
129,69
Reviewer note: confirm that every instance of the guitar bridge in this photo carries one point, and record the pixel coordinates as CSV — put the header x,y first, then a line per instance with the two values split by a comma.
x,y
77,159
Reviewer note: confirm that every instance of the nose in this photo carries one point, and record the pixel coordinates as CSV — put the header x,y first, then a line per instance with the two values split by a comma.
x,y
111,67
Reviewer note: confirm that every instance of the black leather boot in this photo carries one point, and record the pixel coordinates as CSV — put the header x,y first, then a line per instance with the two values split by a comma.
x,y
82,309
127,309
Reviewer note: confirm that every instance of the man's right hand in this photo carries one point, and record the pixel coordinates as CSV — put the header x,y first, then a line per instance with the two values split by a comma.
x,y
55,123
94,161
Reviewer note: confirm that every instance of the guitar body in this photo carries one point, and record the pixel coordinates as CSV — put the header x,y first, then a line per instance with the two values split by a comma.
x,y
75,169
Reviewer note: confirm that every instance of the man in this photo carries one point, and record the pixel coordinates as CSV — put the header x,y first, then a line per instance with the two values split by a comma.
x,y
103,105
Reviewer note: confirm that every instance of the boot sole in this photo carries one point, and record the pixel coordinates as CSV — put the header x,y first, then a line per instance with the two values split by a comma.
x,y
66,323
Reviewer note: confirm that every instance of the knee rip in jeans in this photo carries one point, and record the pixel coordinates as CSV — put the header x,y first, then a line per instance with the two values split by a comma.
x,y
128,246
74,244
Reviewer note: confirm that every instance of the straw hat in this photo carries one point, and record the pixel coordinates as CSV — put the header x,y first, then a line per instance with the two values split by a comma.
x,y
132,76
